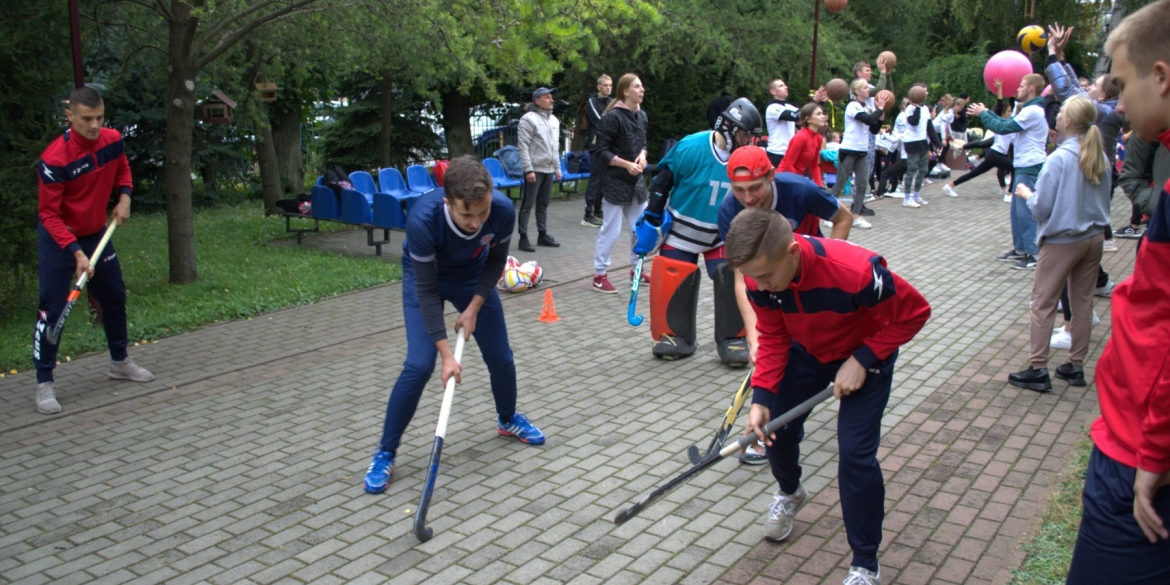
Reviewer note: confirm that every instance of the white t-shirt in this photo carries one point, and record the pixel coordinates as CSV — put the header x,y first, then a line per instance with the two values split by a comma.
x,y
1002,142
1032,140
780,132
916,132
856,135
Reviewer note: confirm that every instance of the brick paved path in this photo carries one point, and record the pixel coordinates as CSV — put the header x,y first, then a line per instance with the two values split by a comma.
x,y
242,461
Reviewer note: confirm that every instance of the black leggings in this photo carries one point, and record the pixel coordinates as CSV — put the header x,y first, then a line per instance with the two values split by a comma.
x,y
892,175
992,159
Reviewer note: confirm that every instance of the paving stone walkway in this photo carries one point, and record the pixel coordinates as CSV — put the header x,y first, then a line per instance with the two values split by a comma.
x,y
242,462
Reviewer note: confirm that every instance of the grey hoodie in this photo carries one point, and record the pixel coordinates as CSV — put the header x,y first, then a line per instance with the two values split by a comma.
x,y
539,133
1067,206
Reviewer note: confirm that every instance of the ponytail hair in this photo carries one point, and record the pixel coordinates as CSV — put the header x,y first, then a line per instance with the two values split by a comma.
x,y
619,92
1082,118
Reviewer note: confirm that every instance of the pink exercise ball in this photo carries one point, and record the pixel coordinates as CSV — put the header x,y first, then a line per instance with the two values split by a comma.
x,y
1010,67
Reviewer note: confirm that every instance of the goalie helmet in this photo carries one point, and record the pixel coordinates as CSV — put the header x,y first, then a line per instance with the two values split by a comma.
x,y
741,115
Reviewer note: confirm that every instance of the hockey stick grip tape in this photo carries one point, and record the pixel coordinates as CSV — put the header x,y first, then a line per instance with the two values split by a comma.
x,y
778,422
449,391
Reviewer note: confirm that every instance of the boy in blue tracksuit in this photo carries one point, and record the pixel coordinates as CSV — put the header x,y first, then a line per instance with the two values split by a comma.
x,y
455,250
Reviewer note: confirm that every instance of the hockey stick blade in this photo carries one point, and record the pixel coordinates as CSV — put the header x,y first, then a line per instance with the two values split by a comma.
x,y
725,426
420,515
625,515
635,320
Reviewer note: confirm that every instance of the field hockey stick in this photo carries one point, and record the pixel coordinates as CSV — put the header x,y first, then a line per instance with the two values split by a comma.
x,y
729,417
624,515
53,333
420,516
635,320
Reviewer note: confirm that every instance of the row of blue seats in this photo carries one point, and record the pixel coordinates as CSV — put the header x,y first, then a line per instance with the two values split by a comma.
x,y
386,204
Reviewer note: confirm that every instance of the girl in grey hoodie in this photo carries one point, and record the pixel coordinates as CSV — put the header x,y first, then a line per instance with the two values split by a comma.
x,y
1071,206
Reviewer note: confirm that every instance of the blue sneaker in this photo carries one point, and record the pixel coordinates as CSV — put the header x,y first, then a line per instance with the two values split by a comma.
x,y
378,475
522,429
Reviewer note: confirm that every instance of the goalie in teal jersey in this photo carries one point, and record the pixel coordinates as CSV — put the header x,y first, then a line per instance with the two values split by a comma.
x,y
681,221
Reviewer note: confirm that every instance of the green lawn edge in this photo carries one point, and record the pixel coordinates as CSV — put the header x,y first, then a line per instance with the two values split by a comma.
x,y
242,274
1049,551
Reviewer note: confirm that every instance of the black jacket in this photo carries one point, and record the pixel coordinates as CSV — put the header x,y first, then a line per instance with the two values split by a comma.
x,y
594,108
620,133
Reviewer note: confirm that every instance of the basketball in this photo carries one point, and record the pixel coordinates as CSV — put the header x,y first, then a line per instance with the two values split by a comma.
x,y
837,89
533,271
889,57
515,281
835,5
917,95
1032,38
889,95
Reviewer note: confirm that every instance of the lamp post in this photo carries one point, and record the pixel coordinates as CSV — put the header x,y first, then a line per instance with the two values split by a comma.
x,y
812,84
75,40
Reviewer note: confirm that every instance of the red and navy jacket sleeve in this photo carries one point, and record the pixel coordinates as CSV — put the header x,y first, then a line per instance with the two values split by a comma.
x,y
76,180
893,302
51,174
775,341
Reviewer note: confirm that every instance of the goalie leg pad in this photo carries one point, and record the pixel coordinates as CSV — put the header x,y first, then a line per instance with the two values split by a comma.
x,y
730,335
674,304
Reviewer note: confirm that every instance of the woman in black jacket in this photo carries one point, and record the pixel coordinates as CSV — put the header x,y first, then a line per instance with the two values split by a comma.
x,y
619,146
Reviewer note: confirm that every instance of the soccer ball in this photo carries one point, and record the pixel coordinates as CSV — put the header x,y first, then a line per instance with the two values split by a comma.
x,y
512,263
1032,38
515,281
534,272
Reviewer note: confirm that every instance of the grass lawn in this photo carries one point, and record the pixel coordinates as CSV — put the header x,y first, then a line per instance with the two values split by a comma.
x,y
240,276
1050,550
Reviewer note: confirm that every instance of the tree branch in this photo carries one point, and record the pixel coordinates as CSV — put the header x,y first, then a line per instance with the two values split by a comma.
x,y
230,40
215,30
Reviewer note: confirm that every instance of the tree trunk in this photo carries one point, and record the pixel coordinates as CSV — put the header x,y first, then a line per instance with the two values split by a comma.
x,y
177,167
286,136
457,124
387,119
266,156
1103,60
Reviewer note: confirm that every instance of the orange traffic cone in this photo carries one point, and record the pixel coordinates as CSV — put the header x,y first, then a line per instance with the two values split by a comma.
x,y
548,314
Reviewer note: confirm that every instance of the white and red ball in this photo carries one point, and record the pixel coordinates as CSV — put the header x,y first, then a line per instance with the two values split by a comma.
x,y
515,281
512,263
534,271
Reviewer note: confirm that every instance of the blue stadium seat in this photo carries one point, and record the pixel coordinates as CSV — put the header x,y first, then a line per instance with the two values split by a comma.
x,y
566,175
354,208
388,211
364,183
501,179
390,181
324,203
419,180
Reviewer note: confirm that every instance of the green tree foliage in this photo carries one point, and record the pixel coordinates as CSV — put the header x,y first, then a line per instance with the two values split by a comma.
x,y
34,59
351,138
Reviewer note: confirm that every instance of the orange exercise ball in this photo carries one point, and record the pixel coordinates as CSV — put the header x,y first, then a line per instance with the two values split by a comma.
x,y
835,5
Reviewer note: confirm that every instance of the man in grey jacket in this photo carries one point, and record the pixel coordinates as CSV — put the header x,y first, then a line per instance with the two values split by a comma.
x,y
540,155
1146,168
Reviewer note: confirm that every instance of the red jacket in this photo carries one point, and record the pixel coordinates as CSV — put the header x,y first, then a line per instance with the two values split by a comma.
x,y
804,156
1133,375
77,177
845,302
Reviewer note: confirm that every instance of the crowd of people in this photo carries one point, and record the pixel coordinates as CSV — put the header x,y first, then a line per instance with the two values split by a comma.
x,y
804,309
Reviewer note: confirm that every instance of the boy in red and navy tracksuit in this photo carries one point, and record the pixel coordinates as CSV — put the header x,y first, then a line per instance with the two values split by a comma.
x,y
79,172
1123,537
827,311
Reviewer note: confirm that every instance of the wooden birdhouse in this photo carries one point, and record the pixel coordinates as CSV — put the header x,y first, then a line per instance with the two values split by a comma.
x,y
267,91
218,109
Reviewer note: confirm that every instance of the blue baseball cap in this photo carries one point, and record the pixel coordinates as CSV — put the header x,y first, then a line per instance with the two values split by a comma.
x,y
542,91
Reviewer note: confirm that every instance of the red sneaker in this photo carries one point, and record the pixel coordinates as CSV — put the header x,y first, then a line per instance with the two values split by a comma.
x,y
601,284
645,277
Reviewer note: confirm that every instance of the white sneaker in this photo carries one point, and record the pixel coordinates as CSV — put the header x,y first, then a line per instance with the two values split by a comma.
x,y
1061,339
1107,290
47,398
861,223
949,191
782,513
918,198
128,370
1096,319
862,576
1109,246
1007,197
869,197
943,168
907,202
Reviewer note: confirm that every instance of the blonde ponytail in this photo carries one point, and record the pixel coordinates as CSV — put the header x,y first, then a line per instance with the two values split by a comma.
x,y
1082,117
